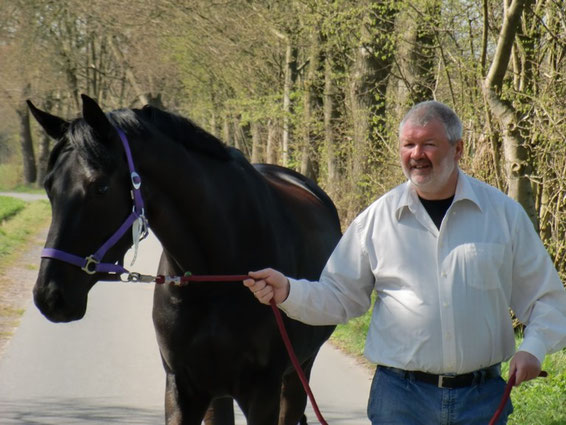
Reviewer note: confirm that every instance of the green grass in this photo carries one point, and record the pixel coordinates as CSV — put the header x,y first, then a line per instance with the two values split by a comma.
x,y
10,207
541,401
351,337
16,232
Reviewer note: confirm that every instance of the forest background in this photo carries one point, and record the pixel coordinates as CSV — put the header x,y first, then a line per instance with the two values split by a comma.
x,y
318,86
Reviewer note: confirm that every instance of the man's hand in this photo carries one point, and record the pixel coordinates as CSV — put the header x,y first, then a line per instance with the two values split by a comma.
x,y
268,284
526,366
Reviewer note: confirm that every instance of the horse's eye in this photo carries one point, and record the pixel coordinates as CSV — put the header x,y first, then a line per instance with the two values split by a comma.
x,y
102,188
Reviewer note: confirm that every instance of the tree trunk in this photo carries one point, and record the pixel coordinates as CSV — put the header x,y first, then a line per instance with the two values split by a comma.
x,y
290,77
26,144
241,134
44,148
227,133
257,148
369,79
517,161
416,55
332,116
311,105
270,148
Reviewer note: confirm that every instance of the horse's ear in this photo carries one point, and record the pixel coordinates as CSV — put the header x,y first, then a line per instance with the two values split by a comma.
x,y
53,126
97,119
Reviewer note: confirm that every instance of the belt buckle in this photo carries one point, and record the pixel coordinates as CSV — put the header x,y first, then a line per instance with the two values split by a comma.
x,y
441,379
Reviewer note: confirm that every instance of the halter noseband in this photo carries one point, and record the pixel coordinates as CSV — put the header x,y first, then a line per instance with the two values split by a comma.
x,y
93,263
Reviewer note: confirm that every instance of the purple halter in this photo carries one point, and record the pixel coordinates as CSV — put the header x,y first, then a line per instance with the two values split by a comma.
x,y
92,264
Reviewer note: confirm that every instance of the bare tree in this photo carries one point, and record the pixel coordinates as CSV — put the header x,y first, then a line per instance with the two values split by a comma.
x,y
518,165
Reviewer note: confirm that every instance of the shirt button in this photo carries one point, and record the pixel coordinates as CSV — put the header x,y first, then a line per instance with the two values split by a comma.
x,y
444,274
445,305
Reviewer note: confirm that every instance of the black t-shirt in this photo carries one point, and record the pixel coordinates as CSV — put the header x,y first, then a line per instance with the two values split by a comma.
x,y
437,208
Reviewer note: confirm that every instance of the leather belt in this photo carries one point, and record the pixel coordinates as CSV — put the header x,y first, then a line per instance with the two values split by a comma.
x,y
449,381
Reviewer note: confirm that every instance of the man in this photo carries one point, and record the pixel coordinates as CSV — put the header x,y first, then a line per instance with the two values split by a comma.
x,y
448,256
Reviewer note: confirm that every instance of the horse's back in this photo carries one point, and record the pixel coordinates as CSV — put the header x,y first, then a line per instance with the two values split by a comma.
x,y
310,210
298,186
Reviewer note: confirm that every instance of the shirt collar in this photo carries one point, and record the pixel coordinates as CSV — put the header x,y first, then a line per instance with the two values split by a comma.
x,y
410,199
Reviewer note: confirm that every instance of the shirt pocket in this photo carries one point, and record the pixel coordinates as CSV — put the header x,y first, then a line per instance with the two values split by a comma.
x,y
483,263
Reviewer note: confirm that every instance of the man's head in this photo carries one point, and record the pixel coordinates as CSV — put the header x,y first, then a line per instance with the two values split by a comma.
x,y
430,146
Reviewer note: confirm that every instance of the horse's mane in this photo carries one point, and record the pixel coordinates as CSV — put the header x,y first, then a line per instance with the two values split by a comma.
x,y
82,138
175,127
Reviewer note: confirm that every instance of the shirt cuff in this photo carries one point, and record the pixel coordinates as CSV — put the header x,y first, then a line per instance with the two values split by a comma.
x,y
292,304
535,347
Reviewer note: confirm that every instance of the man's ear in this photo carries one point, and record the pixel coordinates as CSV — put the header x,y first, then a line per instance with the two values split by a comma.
x,y
459,149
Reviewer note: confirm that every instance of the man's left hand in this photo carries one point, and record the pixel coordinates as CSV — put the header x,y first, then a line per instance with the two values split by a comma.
x,y
525,365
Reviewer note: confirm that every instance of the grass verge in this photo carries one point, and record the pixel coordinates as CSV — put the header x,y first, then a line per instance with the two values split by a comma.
x,y
538,402
17,231
10,207
17,234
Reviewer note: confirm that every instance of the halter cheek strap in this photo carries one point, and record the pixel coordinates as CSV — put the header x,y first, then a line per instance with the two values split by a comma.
x,y
93,263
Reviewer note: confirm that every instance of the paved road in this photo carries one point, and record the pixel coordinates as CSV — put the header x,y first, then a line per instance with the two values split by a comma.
x,y
25,196
105,369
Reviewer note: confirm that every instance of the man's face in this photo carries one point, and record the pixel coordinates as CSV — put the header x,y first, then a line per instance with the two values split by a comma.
x,y
429,160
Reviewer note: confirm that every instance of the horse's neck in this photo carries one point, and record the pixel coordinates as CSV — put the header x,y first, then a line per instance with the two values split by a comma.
x,y
191,206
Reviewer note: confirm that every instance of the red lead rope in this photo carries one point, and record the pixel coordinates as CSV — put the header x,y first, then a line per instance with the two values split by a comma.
x,y
188,278
295,361
504,399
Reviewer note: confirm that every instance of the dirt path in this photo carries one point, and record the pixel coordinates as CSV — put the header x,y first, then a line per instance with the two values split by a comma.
x,y
16,284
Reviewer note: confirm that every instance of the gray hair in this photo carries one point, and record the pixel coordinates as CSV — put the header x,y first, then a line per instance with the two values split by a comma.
x,y
425,112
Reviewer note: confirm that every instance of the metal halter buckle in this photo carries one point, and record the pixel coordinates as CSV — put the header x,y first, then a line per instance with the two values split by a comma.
x,y
136,180
90,265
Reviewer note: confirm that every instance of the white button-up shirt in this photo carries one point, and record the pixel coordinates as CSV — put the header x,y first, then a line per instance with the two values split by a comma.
x,y
443,294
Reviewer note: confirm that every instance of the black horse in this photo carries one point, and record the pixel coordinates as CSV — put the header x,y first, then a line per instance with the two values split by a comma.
x,y
214,213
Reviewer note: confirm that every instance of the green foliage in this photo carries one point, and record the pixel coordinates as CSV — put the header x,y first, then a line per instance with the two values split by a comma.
x,y
224,65
9,207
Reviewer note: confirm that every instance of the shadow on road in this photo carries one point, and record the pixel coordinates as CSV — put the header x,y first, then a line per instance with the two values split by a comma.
x,y
67,411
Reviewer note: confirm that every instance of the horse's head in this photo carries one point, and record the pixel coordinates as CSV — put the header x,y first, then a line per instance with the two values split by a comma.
x,y
88,185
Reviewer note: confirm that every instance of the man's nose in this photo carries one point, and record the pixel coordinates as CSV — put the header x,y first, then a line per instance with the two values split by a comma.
x,y
417,152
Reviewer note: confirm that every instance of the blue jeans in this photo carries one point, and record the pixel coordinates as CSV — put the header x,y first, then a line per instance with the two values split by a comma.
x,y
395,399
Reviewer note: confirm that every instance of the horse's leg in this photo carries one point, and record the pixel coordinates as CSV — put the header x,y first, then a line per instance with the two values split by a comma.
x,y
181,409
220,412
260,403
294,397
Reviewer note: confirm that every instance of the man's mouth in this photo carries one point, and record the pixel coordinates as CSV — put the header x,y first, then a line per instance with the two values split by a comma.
x,y
420,166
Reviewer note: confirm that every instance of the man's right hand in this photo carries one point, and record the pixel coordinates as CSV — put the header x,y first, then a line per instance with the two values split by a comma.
x,y
268,284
